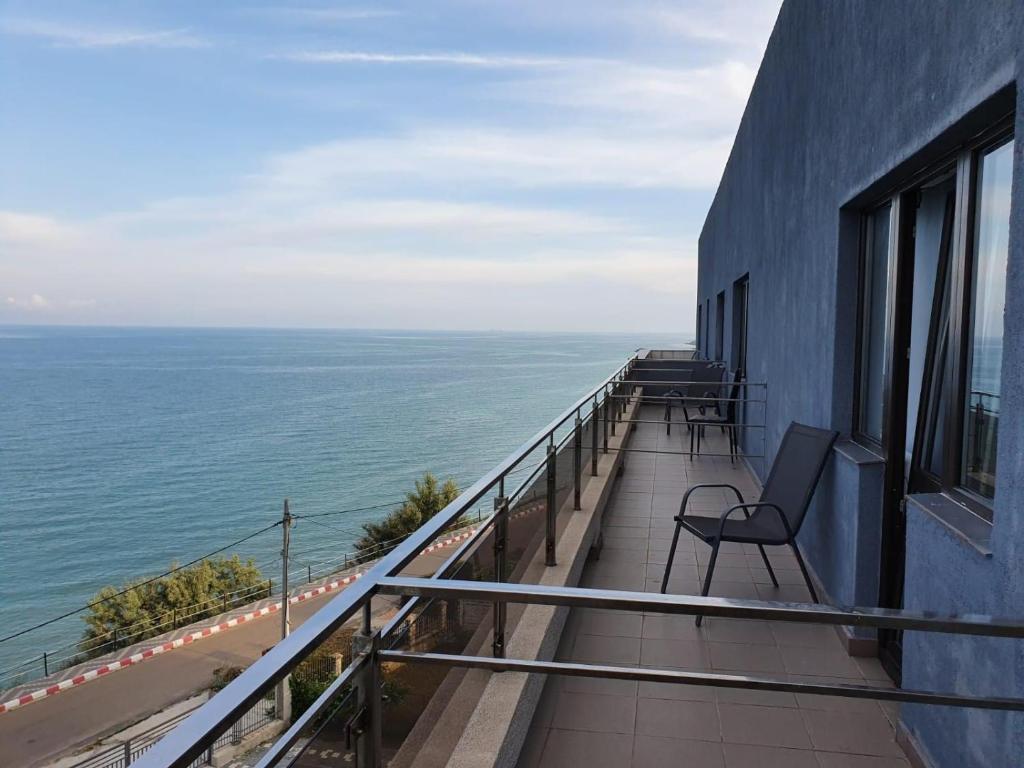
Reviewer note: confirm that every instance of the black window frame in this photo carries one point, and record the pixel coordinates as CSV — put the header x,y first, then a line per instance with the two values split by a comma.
x,y
699,340
964,162
720,326
892,203
741,323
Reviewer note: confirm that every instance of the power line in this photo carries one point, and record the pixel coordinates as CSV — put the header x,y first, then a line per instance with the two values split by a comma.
x,y
140,584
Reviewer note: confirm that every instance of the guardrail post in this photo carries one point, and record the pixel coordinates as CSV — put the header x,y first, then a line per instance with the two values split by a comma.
x,y
500,565
369,708
604,420
549,544
593,438
577,462
609,392
46,666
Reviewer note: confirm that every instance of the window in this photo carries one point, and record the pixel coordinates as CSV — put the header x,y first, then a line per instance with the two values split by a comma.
x,y
707,329
720,326
874,300
740,298
932,293
986,286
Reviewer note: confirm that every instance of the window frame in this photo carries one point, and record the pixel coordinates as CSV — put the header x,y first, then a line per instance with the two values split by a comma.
x,y
700,336
965,162
720,326
741,323
864,245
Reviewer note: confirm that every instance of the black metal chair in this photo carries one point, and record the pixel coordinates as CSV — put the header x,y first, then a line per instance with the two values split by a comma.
x,y
705,382
779,513
724,416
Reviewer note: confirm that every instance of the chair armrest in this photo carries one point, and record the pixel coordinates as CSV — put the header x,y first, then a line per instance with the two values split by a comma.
x,y
755,505
691,489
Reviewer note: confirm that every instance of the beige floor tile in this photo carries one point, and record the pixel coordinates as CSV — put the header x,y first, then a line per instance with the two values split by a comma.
x,y
767,726
672,719
736,657
657,752
834,662
747,756
580,748
854,732
617,624
677,654
747,631
607,650
592,712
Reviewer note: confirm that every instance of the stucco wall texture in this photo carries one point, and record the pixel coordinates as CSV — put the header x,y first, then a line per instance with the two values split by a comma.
x,y
851,96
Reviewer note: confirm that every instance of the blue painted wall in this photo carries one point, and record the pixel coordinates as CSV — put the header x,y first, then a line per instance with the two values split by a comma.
x,y
852,96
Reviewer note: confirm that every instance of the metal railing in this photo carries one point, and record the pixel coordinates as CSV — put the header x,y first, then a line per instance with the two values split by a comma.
x,y
356,696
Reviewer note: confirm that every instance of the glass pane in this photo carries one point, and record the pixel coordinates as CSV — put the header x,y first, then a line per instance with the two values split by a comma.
x,y
876,287
986,330
929,332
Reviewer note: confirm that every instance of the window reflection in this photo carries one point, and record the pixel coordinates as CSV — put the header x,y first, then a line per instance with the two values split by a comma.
x,y
876,286
985,349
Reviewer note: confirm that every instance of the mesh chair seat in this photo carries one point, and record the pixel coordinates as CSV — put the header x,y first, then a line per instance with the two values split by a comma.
x,y
761,528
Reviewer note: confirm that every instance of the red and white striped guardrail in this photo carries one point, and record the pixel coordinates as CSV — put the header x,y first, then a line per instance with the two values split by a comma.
x,y
199,634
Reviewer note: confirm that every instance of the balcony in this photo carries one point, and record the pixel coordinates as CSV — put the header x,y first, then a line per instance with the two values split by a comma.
x,y
543,639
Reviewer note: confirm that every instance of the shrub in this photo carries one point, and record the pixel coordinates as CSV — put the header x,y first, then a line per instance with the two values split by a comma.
x,y
141,609
420,505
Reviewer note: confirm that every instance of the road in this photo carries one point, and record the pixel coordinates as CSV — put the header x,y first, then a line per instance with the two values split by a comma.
x,y
44,730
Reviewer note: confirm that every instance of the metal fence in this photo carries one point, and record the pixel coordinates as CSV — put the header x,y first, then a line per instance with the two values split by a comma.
x,y
127,753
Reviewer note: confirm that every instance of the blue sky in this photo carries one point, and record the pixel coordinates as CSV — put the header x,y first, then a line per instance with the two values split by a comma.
x,y
453,164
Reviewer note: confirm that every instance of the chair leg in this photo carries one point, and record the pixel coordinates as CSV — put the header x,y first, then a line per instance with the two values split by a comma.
x,y
803,570
707,577
693,430
671,557
768,565
668,418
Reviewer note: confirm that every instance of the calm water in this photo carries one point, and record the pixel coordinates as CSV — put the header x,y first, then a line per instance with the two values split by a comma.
x,y
124,450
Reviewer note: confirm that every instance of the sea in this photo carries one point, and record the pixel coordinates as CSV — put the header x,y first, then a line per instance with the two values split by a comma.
x,y
125,450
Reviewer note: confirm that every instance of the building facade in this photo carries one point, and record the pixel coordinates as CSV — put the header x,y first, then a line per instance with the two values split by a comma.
x,y
864,256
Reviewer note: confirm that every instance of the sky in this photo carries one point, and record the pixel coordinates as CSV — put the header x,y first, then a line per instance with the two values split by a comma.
x,y
456,164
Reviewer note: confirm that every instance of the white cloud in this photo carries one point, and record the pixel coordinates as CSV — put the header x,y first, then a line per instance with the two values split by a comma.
x,y
452,58
34,303
31,229
75,36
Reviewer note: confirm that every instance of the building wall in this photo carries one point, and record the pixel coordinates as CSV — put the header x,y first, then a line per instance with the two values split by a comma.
x,y
853,94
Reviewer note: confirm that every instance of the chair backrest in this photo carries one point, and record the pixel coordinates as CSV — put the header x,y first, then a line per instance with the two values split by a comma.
x,y
796,470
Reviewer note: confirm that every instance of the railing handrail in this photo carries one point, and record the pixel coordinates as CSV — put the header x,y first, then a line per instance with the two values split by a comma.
x,y
188,740
723,607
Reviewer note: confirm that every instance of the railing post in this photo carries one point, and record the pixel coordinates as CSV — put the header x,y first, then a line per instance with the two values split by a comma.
x,y
369,707
549,544
128,753
577,463
593,438
500,565
604,421
609,397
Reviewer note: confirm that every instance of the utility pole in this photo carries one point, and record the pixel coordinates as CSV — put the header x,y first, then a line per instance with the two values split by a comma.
x,y
284,694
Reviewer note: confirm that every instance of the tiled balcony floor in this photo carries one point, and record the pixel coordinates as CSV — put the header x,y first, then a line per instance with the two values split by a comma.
x,y
594,723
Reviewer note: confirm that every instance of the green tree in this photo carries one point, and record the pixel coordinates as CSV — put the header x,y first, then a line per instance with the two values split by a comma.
x,y
421,504
143,608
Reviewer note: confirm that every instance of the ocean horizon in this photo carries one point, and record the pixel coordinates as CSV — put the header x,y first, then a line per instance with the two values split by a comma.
x,y
123,450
